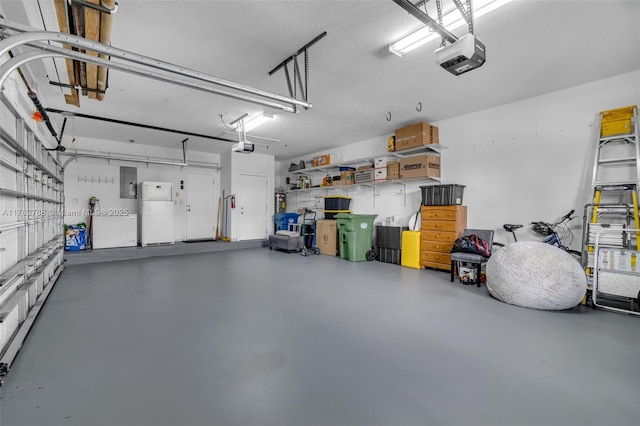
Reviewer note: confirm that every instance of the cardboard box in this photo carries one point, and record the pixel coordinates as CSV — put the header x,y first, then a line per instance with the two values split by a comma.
x,y
327,237
326,159
393,170
380,174
420,166
367,167
363,176
416,135
346,178
381,162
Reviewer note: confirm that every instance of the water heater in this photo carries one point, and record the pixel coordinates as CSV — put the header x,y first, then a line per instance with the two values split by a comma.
x,y
281,201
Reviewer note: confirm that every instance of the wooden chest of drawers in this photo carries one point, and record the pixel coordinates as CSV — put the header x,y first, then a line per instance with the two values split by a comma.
x,y
440,227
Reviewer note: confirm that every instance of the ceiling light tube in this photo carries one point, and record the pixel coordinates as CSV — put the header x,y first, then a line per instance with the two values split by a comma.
x,y
256,121
451,21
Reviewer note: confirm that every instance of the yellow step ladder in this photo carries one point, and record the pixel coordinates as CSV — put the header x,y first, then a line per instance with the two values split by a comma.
x,y
615,183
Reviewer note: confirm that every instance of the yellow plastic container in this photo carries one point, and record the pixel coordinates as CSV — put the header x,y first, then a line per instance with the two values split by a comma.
x,y
617,121
411,249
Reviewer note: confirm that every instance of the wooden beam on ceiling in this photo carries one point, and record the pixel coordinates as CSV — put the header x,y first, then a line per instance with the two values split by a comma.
x,y
92,32
105,38
63,24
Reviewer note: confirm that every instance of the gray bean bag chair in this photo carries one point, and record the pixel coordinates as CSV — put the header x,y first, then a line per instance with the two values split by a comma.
x,y
536,275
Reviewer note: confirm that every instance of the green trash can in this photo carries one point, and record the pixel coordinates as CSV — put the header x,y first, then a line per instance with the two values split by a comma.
x,y
355,235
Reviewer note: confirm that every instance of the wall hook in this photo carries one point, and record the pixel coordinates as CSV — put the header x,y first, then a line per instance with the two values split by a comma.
x,y
389,116
419,107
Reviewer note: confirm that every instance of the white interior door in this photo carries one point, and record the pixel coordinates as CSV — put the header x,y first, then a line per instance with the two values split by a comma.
x,y
201,206
252,203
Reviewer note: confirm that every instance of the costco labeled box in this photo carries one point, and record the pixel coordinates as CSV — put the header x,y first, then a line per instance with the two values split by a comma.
x,y
420,166
415,135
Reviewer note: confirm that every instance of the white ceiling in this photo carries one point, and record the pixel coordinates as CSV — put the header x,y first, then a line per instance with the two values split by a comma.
x,y
533,48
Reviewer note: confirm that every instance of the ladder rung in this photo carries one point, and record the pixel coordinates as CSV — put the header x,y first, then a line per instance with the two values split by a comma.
x,y
616,186
620,160
618,210
628,137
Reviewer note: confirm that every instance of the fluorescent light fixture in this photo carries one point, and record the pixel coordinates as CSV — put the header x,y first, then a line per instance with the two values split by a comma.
x,y
257,120
450,20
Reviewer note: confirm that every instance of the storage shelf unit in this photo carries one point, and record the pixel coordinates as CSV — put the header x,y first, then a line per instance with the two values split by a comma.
x,y
426,149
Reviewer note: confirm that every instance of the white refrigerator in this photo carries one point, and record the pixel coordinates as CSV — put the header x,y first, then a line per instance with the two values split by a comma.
x,y
156,213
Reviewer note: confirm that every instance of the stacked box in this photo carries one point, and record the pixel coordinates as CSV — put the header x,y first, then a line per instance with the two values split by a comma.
x,y
363,176
420,166
416,135
393,170
346,178
379,174
380,168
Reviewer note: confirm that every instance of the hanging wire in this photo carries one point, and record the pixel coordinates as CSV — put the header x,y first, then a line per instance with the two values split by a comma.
x,y
225,124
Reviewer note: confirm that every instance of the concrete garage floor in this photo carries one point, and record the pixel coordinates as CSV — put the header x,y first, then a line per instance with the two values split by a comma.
x,y
259,337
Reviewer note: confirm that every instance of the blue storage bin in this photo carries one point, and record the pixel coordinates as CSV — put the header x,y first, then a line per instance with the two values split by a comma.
x,y
283,220
75,237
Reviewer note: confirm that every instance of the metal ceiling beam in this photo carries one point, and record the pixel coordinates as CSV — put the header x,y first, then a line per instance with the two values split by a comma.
x,y
73,157
426,19
31,35
51,51
297,77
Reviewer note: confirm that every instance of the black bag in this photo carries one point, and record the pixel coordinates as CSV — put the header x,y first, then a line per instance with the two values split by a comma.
x,y
471,244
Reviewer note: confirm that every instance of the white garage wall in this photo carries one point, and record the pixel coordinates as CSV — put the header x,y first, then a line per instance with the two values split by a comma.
x,y
89,177
525,161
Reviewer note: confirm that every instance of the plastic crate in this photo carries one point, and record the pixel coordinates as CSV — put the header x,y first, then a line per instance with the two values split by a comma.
x,y
388,255
389,237
333,203
331,214
442,195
